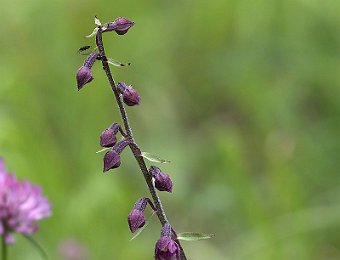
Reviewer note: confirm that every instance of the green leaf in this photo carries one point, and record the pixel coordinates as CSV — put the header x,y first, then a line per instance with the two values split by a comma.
x,y
96,21
153,158
93,33
117,63
193,236
142,228
36,245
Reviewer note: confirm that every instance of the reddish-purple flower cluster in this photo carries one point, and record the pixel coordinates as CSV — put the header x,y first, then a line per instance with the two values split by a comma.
x,y
21,206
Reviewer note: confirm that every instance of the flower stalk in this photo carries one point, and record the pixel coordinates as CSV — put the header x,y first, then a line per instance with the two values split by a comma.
x,y
133,145
124,93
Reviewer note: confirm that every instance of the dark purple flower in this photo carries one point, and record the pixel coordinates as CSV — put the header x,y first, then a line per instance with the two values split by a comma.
x,y
130,95
84,73
111,160
21,206
162,180
121,25
136,217
166,248
136,220
108,136
84,76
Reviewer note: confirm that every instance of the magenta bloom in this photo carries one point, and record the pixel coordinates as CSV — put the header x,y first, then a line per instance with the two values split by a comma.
x,y
166,247
21,206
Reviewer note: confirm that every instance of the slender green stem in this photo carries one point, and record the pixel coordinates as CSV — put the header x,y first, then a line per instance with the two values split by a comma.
x,y
133,146
4,247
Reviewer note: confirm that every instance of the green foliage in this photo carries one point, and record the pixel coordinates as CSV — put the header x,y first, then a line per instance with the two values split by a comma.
x,y
242,96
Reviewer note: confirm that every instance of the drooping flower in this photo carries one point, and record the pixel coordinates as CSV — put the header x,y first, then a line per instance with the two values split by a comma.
x,y
136,220
84,76
136,217
130,95
112,158
21,206
121,25
166,248
108,136
84,73
162,180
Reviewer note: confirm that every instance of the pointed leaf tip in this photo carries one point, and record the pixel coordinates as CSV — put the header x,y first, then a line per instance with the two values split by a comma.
x,y
193,236
95,30
117,63
96,21
153,158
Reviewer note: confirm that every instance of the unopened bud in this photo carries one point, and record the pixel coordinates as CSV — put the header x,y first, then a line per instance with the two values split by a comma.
x,y
121,25
108,136
84,73
84,76
111,160
130,95
136,217
136,220
162,180
166,247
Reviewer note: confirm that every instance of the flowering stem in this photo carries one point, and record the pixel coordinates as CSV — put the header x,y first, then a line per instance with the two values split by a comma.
x,y
4,247
133,145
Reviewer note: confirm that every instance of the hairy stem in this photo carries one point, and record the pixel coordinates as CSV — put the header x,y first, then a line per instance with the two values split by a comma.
x,y
133,146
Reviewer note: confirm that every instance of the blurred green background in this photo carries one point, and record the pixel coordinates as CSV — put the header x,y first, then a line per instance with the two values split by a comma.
x,y
241,96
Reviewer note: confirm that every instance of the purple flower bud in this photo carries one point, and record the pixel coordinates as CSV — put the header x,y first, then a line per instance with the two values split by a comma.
x,y
136,220
107,138
84,73
166,248
84,76
136,217
121,25
130,95
111,160
162,180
